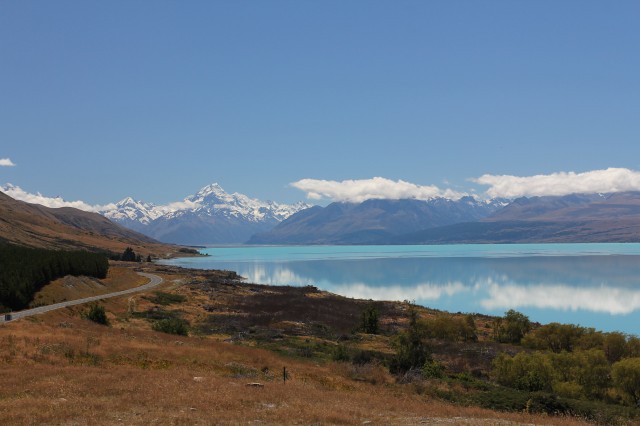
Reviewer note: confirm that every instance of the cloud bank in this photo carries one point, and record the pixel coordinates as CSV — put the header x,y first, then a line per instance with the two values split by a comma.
x,y
19,194
179,205
561,183
6,162
357,191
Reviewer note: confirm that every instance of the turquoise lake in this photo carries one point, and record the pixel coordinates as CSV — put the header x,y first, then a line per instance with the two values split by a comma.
x,y
593,285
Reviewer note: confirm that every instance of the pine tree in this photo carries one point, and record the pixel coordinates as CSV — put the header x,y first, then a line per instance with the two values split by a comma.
x,y
129,255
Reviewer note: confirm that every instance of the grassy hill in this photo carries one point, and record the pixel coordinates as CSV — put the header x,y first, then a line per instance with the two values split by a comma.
x,y
33,225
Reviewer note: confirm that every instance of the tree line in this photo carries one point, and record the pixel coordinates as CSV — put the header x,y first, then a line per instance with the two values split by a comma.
x,y
561,360
574,362
24,271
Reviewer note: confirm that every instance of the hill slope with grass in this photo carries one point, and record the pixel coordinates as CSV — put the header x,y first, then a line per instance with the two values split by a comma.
x,y
33,225
206,345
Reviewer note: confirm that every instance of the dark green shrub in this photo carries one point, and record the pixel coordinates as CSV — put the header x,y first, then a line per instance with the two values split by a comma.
x,y
433,369
411,350
541,402
340,353
172,326
188,250
362,357
369,320
128,255
162,298
502,399
97,314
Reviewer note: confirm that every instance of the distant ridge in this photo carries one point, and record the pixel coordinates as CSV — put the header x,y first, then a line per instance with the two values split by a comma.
x,y
576,218
373,221
553,219
34,225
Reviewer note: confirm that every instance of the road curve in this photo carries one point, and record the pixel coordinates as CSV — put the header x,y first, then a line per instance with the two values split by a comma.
x,y
154,281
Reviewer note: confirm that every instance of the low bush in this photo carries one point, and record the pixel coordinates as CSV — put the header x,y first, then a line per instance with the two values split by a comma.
x,y
97,314
340,353
162,298
433,369
369,322
172,326
156,314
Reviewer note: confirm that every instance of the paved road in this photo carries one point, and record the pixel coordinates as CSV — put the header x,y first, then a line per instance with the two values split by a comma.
x,y
154,281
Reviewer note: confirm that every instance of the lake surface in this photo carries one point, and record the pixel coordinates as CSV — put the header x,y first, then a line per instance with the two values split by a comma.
x,y
593,285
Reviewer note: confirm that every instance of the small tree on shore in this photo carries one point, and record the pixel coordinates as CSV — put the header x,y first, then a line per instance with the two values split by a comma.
x,y
411,349
129,255
512,327
369,322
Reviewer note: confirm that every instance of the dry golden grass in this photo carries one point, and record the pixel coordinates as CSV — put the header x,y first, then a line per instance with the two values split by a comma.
x,y
60,369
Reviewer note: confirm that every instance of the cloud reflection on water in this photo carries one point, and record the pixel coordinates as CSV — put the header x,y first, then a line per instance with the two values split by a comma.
x,y
614,301
599,284
421,292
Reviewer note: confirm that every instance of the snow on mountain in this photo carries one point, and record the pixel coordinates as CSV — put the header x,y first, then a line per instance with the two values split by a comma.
x,y
210,216
210,200
133,211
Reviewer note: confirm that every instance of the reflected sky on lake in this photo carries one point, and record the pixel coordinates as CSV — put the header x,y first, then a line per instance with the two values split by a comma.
x,y
595,290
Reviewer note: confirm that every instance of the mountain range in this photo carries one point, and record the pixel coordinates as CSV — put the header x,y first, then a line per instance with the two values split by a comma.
x,y
555,219
374,221
211,216
584,218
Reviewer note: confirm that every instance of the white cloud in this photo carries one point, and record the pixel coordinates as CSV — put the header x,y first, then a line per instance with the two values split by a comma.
x,y
180,205
357,191
6,162
561,183
54,202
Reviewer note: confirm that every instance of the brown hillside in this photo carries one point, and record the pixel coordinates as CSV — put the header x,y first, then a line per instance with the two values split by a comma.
x,y
59,368
67,228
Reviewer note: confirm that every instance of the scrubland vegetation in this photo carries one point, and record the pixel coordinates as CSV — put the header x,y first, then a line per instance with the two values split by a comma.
x,y
185,354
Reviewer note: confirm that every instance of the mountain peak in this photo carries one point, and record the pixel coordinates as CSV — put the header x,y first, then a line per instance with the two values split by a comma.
x,y
126,201
213,188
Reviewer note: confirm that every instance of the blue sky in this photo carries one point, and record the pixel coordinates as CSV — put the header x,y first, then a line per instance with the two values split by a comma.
x,y
155,99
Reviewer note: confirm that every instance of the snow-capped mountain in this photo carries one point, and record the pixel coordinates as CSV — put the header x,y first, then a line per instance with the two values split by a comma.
x,y
212,199
211,216
130,211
